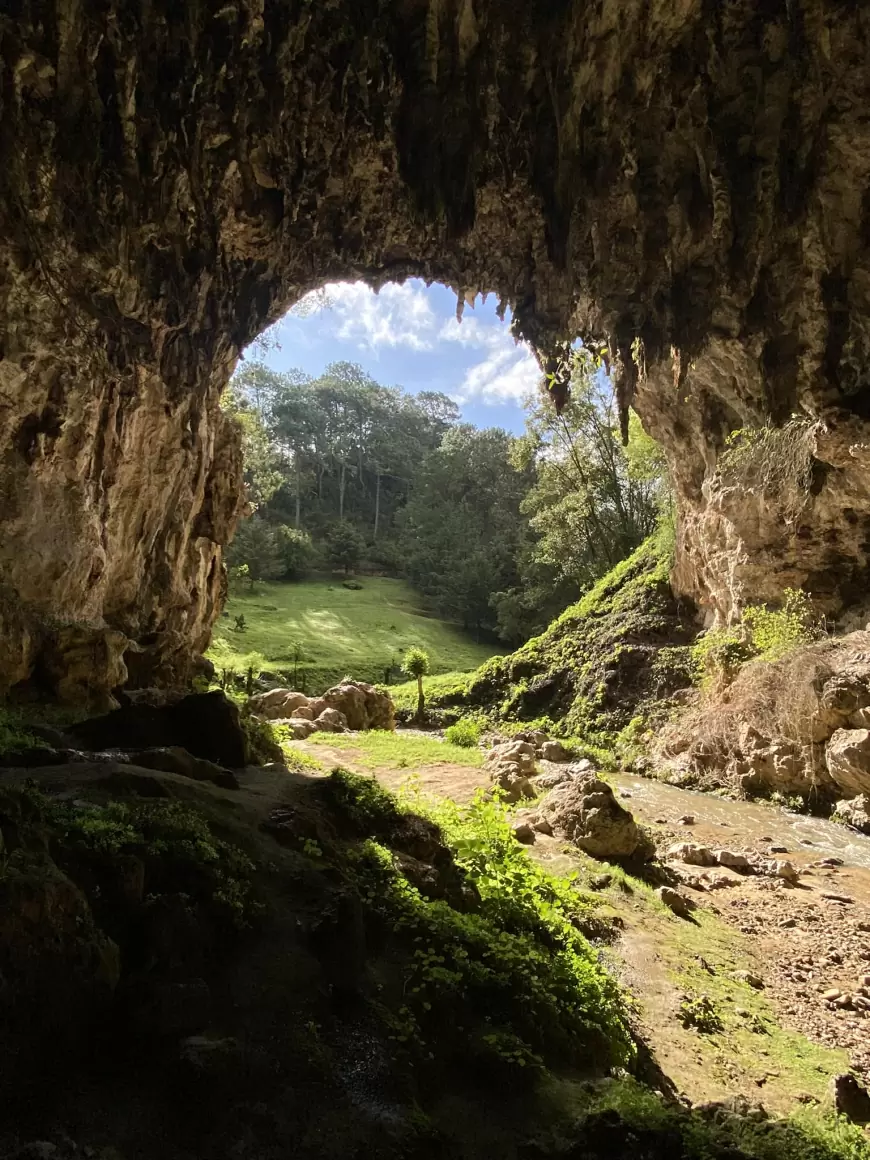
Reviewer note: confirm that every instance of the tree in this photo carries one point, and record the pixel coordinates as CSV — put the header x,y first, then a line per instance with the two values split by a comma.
x,y
344,547
416,665
297,552
255,546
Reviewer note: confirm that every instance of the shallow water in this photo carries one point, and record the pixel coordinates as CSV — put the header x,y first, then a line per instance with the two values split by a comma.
x,y
748,822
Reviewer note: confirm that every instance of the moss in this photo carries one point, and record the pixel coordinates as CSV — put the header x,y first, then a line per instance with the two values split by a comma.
x,y
618,654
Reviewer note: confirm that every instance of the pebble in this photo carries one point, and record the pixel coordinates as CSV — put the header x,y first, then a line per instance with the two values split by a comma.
x,y
778,850
750,979
830,995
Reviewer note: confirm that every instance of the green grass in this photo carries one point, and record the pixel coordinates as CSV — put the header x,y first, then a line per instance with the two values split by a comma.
x,y
323,632
379,749
442,688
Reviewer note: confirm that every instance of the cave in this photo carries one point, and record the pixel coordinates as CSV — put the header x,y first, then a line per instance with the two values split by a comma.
x,y
686,182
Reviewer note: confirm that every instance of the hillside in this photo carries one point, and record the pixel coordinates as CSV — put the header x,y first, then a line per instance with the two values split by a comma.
x,y
318,631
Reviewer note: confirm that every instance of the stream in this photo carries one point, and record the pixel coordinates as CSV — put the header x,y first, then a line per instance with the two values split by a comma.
x,y
726,822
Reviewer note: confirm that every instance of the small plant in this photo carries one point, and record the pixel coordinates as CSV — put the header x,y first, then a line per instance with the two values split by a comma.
x,y
701,1013
465,733
416,666
764,634
775,461
240,623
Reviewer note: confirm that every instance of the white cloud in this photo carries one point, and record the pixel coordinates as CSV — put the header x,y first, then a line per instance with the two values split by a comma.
x,y
504,374
401,316
398,316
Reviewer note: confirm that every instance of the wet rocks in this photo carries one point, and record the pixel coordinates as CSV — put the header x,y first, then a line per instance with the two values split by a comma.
x,y
854,812
586,811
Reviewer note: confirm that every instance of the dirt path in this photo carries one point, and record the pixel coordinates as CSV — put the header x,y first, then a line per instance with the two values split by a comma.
x,y
780,1040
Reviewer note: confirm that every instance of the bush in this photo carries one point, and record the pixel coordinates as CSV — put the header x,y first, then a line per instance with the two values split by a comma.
x,y
254,553
761,634
297,553
344,547
513,981
466,732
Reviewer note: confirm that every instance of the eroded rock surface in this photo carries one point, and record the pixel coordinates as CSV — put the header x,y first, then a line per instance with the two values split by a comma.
x,y
685,179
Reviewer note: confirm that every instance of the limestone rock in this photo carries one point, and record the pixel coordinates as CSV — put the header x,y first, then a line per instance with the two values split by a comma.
x,y
848,759
850,1098
303,713
174,759
586,811
362,705
733,860
524,832
330,721
207,725
692,854
553,751
277,703
518,754
854,812
675,901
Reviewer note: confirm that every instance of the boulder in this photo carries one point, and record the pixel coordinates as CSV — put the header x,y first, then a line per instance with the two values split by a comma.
x,y
673,900
363,706
854,812
304,713
513,784
173,759
848,761
733,861
518,754
524,832
330,721
277,703
554,751
207,725
850,1098
535,737
300,729
586,811
692,855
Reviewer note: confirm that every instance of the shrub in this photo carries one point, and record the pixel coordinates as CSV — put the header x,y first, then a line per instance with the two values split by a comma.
x,y
466,732
761,634
517,963
297,553
415,664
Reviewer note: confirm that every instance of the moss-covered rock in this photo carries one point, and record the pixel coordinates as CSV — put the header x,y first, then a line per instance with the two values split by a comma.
x,y
608,664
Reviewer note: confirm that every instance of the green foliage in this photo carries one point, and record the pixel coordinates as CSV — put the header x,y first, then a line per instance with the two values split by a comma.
x,y
297,552
807,1135
700,1011
762,634
517,968
466,732
14,733
344,547
177,844
379,749
314,633
600,664
254,553
415,662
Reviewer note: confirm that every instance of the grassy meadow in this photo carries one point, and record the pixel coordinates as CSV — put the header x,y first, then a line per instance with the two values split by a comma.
x,y
317,631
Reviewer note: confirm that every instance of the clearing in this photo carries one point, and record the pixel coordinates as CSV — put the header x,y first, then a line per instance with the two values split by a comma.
x,y
317,631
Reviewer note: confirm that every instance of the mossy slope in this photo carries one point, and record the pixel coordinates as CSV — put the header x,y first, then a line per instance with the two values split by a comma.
x,y
618,654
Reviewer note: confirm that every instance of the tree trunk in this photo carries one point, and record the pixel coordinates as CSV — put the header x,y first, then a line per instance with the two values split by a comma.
x,y
297,492
377,505
341,485
420,701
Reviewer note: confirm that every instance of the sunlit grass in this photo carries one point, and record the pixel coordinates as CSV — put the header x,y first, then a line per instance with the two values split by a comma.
x,y
316,632
380,749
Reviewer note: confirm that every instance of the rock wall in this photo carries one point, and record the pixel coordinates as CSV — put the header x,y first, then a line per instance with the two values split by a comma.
x,y
686,178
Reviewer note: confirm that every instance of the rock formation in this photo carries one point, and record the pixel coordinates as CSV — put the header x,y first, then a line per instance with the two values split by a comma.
x,y
687,181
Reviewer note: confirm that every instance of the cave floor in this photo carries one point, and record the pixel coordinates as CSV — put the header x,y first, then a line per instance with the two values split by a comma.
x,y
779,1041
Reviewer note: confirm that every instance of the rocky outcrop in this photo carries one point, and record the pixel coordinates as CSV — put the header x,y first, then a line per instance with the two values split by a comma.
x,y
854,812
350,705
796,726
510,765
687,180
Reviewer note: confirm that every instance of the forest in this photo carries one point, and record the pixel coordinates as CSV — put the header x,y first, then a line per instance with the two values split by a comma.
x,y
499,533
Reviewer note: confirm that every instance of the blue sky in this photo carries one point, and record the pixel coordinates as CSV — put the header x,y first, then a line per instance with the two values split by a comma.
x,y
408,336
